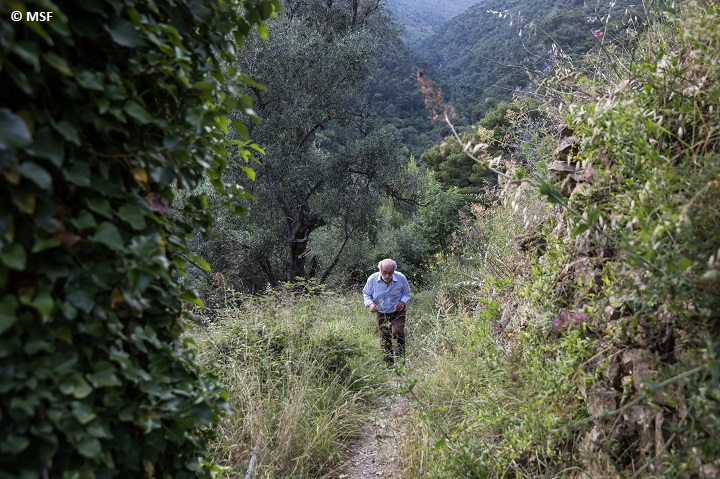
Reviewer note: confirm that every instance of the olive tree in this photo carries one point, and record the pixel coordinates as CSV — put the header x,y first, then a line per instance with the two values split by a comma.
x,y
325,163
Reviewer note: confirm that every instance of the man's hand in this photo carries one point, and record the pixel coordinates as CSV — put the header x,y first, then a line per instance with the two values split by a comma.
x,y
374,308
399,306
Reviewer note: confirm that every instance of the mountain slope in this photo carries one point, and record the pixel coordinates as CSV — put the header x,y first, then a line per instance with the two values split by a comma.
x,y
394,97
487,52
421,18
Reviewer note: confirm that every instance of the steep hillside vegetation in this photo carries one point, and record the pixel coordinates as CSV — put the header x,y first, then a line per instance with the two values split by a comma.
x,y
494,49
578,316
421,18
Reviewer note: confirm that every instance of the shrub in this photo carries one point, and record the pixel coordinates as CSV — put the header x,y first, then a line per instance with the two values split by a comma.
x,y
104,109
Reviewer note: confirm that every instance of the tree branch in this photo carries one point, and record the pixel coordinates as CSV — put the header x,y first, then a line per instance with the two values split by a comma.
x,y
320,124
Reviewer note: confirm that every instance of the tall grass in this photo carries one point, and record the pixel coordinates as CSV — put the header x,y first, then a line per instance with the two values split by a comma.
x,y
582,341
301,372
493,399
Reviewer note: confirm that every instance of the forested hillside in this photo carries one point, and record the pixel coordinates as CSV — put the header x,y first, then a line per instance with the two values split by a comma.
x,y
192,197
499,48
421,18
393,98
483,58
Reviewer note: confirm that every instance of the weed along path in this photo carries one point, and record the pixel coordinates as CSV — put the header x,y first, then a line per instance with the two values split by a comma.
x,y
375,453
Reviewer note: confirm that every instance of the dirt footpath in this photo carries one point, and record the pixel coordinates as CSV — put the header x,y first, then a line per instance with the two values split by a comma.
x,y
374,455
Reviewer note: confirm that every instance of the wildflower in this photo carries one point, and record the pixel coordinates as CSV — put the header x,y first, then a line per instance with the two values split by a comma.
x,y
568,320
598,33
589,175
579,318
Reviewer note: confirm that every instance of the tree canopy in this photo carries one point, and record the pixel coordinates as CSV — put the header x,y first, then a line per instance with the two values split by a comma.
x,y
325,163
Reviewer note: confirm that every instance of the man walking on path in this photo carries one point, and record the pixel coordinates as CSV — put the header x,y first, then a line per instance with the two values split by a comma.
x,y
386,293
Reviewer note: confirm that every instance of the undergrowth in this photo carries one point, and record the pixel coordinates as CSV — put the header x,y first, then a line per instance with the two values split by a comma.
x,y
496,381
577,337
301,371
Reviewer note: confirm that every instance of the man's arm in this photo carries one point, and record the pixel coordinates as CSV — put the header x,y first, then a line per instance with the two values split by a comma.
x,y
367,292
405,294
405,297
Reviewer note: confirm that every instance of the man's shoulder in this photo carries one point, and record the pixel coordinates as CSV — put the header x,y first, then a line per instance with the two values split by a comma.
x,y
374,276
399,274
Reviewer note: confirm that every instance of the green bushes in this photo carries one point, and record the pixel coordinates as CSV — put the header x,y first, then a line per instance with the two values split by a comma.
x,y
105,108
650,152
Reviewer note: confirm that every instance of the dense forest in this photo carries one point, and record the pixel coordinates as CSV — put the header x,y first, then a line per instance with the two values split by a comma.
x,y
193,196
420,19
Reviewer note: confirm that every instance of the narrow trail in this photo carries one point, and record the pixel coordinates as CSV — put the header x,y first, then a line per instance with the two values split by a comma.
x,y
375,454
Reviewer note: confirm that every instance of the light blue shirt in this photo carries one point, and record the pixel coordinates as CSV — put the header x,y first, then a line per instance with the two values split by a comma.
x,y
386,296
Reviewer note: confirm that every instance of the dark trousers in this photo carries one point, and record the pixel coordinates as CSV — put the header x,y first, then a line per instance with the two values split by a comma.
x,y
392,326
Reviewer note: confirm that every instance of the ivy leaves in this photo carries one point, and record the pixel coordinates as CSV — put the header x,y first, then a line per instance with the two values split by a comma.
x,y
13,131
103,120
